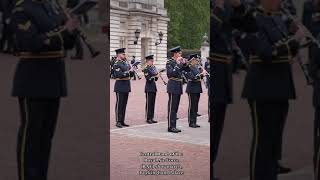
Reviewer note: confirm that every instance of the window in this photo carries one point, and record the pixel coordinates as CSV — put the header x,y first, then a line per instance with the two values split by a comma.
x,y
122,42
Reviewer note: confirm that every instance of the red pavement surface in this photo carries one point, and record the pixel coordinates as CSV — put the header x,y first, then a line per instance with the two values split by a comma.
x,y
135,114
126,162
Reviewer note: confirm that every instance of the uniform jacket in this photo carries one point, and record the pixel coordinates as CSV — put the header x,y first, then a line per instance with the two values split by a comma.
x,y
40,44
122,75
150,73
194,77
270,75
175,75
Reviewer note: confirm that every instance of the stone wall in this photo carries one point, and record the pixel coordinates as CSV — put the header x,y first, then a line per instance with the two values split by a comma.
x,y
149,16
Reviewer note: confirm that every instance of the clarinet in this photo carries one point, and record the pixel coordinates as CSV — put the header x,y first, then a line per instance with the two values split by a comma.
x,y
93,52
303,66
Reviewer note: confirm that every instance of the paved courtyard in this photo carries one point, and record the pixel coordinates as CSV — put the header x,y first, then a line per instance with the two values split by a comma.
x,y
128,143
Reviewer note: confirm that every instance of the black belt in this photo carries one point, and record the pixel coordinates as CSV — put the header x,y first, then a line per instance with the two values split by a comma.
x,y
176,79
222,58
278,60
41,55
123,79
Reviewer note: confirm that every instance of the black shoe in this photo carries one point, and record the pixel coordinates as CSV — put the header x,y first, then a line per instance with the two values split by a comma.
x,y
119,125
177,118
173,130
283,170
193,125
153,121
124,124
197,125
149,121
214,178
199,115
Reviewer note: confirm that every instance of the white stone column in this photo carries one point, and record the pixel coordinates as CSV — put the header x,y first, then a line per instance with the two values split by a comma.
x,y
133,25
114,31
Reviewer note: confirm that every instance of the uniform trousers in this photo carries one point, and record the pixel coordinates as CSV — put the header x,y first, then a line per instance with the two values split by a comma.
x,y
36,131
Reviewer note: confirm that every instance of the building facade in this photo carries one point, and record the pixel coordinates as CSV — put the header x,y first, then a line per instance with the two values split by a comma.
x,y
138,25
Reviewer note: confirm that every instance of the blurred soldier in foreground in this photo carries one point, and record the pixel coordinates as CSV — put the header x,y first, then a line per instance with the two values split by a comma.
x,y
225,17
40,79
269,86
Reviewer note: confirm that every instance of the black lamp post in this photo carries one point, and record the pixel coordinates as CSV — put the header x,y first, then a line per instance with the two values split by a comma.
x,y
160,38
137,35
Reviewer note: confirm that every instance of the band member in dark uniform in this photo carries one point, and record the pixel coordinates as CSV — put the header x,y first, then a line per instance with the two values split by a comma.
x,y
122,73
133,60
225,17
269,86
113,60
194,89
151,75
176,67
39,80
311,19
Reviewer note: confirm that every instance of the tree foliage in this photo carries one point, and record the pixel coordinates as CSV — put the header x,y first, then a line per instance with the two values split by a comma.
x,y
189,21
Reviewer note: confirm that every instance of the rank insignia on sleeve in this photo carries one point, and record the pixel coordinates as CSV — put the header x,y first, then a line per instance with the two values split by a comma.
x,y
24,27
117,69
